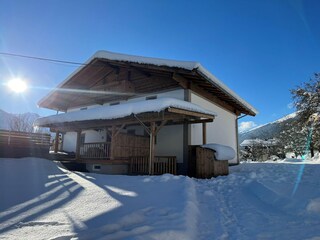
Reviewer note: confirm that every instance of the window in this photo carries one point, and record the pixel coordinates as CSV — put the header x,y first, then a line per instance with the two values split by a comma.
x,y
131,132
96,167
83,108
151,97
114,103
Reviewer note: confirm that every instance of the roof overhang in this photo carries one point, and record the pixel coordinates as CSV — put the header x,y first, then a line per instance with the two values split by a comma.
x,y
146,74
172,111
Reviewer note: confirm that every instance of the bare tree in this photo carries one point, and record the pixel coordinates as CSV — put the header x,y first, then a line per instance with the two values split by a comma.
x,y
21,123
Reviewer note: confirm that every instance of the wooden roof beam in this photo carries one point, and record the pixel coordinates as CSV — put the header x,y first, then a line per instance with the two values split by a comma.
x,y
186,84
190,113
183,82
139,71
103,78
128,66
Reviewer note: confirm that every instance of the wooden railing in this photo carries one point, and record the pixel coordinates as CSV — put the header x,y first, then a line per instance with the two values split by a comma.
x,y
100,150
162,164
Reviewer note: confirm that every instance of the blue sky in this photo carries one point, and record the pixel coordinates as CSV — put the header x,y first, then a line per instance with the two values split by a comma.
x,y
260,49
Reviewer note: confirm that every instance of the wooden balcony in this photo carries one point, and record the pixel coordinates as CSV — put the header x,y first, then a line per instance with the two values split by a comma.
x,y
129,150
99,150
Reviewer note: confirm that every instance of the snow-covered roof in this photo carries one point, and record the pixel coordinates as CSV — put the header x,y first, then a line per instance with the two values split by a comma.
x,y
187,65
122,110
257,141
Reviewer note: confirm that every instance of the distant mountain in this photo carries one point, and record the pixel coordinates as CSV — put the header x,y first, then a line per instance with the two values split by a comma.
x,y
267,131
7,119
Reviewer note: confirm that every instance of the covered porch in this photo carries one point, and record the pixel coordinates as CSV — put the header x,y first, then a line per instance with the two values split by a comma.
x,y
123,151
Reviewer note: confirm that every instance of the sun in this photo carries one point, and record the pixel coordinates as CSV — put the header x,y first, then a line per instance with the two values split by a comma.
x,y
17,85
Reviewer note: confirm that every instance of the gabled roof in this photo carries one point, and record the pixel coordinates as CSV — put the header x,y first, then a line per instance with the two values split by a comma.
x,y
188,71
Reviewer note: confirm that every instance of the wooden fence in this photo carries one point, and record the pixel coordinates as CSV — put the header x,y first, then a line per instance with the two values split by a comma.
x,y
126,146
162,164
22,144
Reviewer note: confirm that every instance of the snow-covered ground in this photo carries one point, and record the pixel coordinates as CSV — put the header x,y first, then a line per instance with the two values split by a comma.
x,y
278,200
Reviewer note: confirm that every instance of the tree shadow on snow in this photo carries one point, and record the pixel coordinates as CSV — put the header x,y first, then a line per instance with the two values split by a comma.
x,y
148,206
32,189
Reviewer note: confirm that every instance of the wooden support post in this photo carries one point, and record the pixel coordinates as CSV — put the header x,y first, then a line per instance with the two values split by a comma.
x,y
204,133
161,125
152,142
113,136
56,142
78,145
119,129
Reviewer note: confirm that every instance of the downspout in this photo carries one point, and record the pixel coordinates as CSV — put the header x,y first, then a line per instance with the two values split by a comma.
x,y
237,141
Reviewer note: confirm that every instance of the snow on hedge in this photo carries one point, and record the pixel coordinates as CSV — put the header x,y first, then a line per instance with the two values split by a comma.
x,y
259,142
122,110
221,152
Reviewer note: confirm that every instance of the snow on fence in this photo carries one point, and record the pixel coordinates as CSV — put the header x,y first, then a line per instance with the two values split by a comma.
x,y
22,144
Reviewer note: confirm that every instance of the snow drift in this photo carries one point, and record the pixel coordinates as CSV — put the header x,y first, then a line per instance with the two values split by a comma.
x,y
41,200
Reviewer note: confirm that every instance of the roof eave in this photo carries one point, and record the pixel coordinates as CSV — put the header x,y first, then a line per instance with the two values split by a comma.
x,y
213,80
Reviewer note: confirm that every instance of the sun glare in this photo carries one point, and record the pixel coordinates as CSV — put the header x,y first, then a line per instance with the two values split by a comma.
x,y
17,85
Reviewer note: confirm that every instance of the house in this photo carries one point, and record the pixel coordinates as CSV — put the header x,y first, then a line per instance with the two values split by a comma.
x,y
258,149
125,113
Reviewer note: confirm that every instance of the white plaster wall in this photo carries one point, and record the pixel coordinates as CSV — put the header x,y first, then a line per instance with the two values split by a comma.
x,y
70,141
221,131
78,109
170,142
178,94
93,136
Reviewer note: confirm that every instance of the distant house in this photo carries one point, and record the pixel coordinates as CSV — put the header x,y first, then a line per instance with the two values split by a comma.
x,y
121,109
258,149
